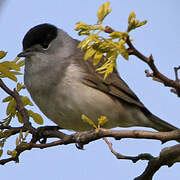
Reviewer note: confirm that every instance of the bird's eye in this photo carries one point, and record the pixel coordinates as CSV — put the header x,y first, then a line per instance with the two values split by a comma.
x,y
45,45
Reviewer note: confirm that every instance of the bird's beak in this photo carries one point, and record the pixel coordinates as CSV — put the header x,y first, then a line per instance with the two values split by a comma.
x,y
25,53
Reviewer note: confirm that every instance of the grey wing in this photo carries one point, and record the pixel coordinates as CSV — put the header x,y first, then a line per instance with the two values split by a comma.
x,y
116,87
113,84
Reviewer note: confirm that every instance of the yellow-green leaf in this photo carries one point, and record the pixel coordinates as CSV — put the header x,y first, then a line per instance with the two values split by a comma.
x,y
20,119
16,59
78,26
142,23
124,52
37,118
26,101
100,13
118,35
104,66
109,70
97,57
30,113
14,153
11,65
19,86
89,53
21,63
103,11
26,133
9,152
20,134
88,120
108,66
2,54
1,152
85,43
132,17
17,141
7,73
136,22
102,120
16,73
7,99
81,26
83,32
1,143
133,23
11,108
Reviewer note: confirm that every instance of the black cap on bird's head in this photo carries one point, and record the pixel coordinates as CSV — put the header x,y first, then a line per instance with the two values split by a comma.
x,y
41,35
47,39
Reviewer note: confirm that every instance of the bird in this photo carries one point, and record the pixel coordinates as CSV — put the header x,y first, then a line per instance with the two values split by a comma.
x,y
64,86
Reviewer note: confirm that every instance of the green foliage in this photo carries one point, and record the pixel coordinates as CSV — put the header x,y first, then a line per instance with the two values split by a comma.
x,y
133,23
1,152
11,111
107,49
2,54
10,70
101,121
103,11
36,117
99,47
12,153
89,121
21,138
20,142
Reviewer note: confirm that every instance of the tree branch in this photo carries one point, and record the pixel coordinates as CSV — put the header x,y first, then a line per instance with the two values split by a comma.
x,y
89,136
168,156
19,106
150,61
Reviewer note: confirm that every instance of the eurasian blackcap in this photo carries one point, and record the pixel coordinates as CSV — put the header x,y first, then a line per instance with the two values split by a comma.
x,y
64,86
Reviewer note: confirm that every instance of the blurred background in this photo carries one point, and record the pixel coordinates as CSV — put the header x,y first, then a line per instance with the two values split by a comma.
x,y
160,37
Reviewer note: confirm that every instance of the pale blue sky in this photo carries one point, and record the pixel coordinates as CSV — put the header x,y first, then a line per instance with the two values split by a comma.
x,y
159,37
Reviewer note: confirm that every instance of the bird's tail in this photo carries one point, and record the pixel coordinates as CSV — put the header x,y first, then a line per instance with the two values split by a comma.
x,y
161,125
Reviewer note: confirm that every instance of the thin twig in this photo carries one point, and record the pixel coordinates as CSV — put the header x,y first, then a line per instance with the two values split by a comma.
x,y
156,74
150,61
134,159
176,69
